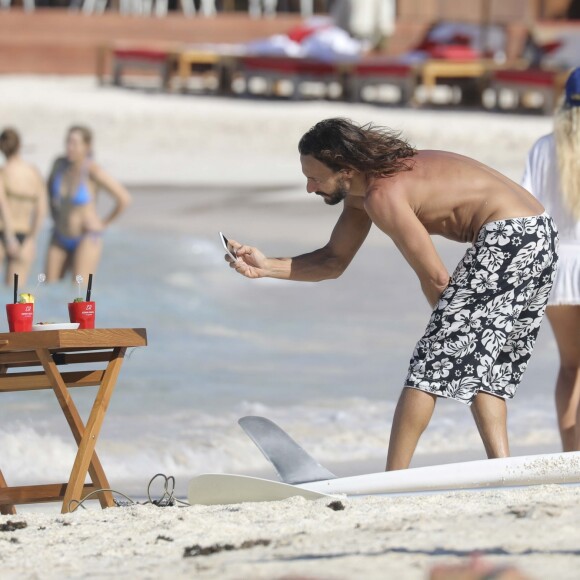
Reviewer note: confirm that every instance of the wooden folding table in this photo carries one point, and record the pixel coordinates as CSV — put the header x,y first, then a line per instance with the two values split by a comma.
x,y
52,350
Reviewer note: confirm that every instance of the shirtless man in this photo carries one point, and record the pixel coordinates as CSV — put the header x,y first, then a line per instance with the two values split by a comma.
x,y
486,316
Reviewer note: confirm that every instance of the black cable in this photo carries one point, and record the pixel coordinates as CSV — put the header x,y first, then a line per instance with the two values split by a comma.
x,y
167,499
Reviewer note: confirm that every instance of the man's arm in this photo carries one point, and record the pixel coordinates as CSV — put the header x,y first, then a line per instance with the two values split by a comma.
x,y
393,215
328,262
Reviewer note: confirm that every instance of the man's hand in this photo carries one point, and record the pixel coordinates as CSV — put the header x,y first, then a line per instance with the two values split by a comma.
x,y
250,262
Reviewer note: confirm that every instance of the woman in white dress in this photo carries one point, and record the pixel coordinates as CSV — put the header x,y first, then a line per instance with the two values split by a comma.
x,y
553,175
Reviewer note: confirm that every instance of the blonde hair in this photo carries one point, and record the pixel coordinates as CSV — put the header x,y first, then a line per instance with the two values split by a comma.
x,y
567,137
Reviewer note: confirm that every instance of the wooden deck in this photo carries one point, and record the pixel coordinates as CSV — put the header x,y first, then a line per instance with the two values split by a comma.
x,y
55,41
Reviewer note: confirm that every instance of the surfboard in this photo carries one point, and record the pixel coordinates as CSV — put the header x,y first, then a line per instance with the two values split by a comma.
x,y
225,489
552,468
303,476
294,465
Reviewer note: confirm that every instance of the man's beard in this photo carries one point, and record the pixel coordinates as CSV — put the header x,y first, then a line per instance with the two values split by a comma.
x,y
336,196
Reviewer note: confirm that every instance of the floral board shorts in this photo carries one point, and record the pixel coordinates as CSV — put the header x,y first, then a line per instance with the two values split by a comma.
x,y
482,330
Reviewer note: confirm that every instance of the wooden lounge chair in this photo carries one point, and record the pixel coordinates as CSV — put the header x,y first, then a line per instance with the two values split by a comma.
x,y
285,68
548,83
377,71
162,61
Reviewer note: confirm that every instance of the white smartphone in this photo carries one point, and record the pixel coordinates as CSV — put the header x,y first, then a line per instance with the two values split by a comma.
x,y
231,253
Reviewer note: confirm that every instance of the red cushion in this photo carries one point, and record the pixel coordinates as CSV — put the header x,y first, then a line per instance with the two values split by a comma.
x,y
287,65
549,47
454,52
299,33
543,78
379,68
317,67
141,54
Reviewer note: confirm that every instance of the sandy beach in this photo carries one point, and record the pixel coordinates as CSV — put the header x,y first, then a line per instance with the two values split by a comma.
x,y
200,164
535,530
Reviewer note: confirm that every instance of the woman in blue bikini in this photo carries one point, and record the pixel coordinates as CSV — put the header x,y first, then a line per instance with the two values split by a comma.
x,y
77,238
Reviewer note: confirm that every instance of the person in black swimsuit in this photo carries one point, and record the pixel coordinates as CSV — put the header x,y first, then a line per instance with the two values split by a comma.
x,y
23,205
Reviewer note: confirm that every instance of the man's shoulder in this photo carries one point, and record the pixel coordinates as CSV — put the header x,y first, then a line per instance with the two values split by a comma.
x,y
386,189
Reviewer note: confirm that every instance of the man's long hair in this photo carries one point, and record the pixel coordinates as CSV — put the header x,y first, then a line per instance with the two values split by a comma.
x,y
372,150
567,137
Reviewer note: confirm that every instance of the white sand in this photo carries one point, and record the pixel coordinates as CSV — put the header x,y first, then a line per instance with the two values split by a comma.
x,y
535,530
218,146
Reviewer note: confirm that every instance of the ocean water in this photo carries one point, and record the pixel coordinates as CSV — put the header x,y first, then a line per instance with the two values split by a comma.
x,y
325,361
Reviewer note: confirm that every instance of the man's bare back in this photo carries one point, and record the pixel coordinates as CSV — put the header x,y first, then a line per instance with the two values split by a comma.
x,y
454,196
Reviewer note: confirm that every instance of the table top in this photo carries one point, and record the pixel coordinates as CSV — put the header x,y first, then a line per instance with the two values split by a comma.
x,y
62,339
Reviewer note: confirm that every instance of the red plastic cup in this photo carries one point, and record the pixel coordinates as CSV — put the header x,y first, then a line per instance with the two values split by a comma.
x,y
83,313
20,316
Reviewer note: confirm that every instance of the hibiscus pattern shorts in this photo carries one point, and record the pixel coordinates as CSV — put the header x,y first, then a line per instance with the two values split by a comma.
x,y
482,330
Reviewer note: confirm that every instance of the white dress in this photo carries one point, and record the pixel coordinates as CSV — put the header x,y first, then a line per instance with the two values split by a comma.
x,y
542,179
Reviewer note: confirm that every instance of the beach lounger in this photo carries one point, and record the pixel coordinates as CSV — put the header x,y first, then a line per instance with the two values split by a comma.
x,y
377,71
470,76
162,61
274,69
220,60
547,83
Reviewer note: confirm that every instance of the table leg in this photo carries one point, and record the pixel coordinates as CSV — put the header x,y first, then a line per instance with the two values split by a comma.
x,y
74,420
6,510
92,430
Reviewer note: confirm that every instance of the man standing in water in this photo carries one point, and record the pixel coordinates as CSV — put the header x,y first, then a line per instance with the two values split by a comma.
x,y
485,317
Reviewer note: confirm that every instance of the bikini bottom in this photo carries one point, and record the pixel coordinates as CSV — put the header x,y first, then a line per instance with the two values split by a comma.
x,y
19,236
71,244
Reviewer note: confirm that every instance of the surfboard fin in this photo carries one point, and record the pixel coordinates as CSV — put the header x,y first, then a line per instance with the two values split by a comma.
x,y
292,463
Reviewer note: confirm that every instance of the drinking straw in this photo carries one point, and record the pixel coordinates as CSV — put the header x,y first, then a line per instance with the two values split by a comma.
x,y
15,288
89,288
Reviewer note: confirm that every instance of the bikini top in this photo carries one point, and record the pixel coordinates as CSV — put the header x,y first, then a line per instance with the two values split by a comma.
x,y
82,194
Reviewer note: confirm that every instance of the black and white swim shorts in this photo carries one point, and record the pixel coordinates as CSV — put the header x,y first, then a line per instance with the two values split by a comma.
x,y
483,329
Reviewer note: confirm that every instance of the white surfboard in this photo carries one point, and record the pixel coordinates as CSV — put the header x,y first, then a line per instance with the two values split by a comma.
x,y
224,489
553,468
303,475
294,465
